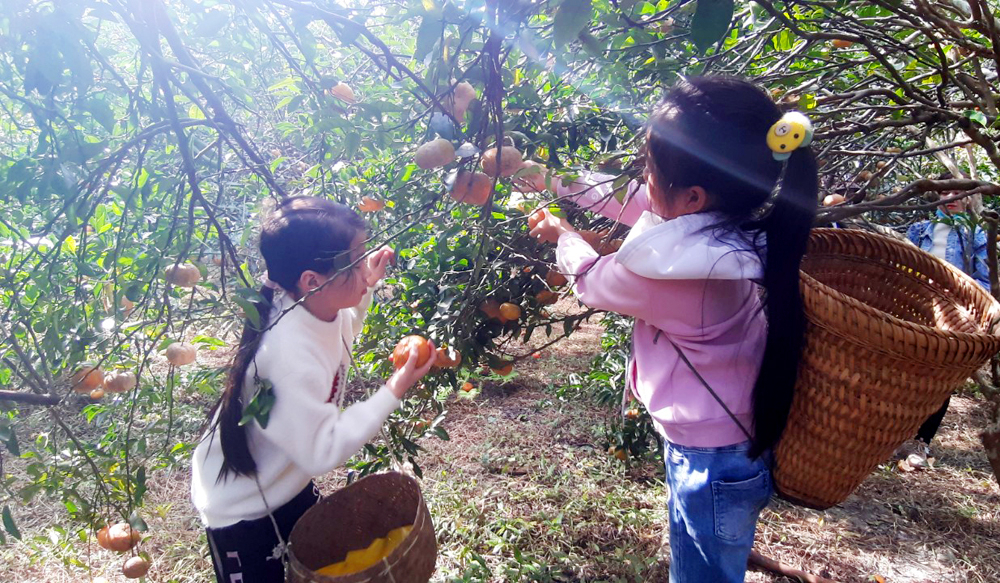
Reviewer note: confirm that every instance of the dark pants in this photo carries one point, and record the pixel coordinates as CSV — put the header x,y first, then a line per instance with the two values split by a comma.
x,y
930,427
244,552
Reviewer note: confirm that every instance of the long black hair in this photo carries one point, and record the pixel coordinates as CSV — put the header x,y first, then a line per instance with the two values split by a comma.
x,y
302,233
711,132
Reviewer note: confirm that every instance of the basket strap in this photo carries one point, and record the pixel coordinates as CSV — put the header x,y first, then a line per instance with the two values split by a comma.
x,y
282,548
710,390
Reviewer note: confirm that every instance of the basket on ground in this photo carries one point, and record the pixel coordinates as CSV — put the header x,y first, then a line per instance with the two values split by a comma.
x,y
891,332
353,517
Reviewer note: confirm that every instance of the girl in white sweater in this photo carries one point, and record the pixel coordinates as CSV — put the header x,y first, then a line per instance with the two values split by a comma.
x,y
314,250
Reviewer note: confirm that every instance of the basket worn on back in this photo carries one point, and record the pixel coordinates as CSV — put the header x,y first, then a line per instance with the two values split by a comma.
x,y
891,332
351,518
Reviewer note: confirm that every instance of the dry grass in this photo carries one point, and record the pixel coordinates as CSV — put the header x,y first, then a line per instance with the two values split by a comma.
x,y
525,490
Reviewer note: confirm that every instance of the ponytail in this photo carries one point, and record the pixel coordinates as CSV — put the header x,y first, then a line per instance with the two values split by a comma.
x,y
302,233
787,231
237,458
712,132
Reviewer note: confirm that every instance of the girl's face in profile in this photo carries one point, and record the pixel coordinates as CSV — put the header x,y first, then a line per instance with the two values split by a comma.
x,y
345,288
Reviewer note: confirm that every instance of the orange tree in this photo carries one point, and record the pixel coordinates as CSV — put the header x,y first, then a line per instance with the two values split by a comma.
x,y
142,140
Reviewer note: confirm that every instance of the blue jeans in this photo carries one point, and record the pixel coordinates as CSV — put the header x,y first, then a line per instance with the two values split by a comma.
x,y
716,495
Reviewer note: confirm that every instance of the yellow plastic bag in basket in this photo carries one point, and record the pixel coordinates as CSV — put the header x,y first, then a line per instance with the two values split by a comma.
x,y
361,559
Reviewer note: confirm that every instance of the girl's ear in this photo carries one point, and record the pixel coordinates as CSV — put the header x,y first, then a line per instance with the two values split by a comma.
x,y
693,199
308,281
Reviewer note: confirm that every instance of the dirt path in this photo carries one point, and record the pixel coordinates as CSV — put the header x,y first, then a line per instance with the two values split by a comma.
x,y
526,491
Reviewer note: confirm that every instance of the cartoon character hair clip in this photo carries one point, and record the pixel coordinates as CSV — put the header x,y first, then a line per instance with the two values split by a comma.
x,y
792,131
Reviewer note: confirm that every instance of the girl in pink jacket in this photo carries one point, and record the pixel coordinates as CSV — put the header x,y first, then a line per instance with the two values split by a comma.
x,y
710,272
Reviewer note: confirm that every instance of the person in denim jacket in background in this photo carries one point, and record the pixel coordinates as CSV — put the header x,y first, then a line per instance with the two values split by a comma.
x,y
949,243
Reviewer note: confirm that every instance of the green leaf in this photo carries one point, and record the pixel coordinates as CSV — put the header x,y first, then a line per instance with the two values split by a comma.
x,y
136,522
428,35
711,21
569,20
8,523
213,22
101,112
976,116
351,144
250,310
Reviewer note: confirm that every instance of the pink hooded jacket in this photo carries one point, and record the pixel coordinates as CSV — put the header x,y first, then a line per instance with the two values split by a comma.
x,y
681,283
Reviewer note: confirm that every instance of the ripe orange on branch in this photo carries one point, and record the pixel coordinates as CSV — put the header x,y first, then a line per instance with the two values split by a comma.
x,y
402,351
370,205
181,353
434,154
510,161
448,357
472,188
119,382
87,378
509,311
555,279
491,308
343,92
135,568
182,274
118,537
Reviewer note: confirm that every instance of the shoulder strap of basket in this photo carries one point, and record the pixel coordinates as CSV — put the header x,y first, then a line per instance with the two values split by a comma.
x,y
704,383
281,551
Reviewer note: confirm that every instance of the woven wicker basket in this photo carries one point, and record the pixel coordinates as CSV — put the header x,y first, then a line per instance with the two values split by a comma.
x,y
891,332
354,516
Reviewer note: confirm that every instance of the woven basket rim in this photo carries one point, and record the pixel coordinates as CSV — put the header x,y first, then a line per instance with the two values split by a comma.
x,y
384,565
868,310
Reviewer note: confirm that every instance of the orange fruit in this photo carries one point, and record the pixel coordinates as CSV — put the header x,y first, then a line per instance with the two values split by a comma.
x,y
135,567
833,199
491,308
182,274
343,92
119,382
472,188
510,161
536,355
509,311
118,537
370,205
97,393
181,353
467,387
505,370
448,357
546,297
555,279
402,351
460,99
87,378
434,154
632,414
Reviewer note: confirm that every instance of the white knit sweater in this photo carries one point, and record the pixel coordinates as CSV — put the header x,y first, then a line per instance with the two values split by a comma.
x,y
307,433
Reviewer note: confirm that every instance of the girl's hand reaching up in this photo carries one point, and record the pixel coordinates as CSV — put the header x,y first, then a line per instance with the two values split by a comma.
x,y
547,227
377,262
409,374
